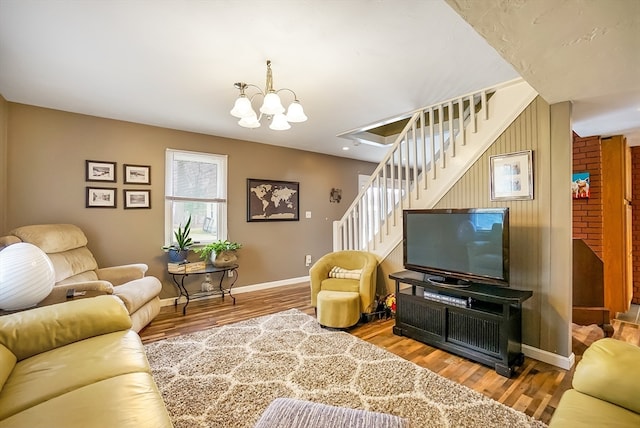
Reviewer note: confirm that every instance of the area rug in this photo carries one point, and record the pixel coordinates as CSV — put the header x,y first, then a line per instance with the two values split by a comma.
x,y
227,376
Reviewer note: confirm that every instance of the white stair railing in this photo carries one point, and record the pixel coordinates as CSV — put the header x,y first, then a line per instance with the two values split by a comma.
x,y
428,156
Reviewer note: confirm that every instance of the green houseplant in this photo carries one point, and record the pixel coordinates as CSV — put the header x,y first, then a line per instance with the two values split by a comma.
x,y
221,252
178,251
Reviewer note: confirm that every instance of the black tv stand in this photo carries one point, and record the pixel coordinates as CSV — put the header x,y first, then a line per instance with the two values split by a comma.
x,y
481,322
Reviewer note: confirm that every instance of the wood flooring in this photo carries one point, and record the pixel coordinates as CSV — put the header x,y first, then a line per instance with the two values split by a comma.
x,y
535,389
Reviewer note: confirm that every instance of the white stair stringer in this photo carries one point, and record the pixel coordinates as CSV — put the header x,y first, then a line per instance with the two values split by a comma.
x,y
506,103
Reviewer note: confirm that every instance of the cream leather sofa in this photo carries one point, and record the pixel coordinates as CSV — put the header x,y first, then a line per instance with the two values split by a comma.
x,y
606,388
76,364
75,267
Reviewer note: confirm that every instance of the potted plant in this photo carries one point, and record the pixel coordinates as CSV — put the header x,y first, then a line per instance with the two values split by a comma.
x,y
178,251
221,253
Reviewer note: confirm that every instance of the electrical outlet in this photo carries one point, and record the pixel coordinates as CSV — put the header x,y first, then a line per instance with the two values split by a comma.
x,y
307,259
230,273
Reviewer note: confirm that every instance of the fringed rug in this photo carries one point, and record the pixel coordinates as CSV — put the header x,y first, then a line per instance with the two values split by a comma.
x,y
227,376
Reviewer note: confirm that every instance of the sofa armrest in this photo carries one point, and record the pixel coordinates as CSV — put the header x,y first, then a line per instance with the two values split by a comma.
x,y
104,286
118,275
609,371
38,330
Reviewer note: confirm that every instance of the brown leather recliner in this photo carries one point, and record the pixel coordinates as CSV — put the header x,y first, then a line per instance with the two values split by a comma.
x,y
75,267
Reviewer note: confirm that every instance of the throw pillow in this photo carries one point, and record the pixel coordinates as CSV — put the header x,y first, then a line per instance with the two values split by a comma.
x,y
338,272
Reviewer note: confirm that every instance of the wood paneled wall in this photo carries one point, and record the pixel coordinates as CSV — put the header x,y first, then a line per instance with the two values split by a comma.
x,y
537,257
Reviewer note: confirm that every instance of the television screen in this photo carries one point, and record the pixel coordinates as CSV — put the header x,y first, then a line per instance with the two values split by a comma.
x,y
458,246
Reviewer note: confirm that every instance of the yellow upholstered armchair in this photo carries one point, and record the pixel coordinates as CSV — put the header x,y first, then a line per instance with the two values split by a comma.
x,y
75,267
343,287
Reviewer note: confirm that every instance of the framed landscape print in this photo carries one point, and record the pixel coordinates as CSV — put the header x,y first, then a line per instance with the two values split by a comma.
x,y
272,200
100,171
511,176
100,197
137,199
137,174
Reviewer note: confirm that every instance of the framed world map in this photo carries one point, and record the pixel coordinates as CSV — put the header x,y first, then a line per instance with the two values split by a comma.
x,y
272,200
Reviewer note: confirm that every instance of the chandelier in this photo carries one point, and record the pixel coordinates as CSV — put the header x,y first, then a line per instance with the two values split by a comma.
x,y
271,106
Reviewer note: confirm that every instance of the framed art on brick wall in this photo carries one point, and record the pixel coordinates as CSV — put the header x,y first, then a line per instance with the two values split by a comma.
x,y
580,188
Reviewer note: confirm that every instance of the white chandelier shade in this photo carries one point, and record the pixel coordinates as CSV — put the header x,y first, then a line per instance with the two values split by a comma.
x,y
271,107
279,122
295,113
242,107
271,104
250,121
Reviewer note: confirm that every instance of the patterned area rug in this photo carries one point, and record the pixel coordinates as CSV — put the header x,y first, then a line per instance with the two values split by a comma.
x,y
227,376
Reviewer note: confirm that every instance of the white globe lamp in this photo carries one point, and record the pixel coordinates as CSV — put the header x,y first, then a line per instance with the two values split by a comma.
x,y
26,276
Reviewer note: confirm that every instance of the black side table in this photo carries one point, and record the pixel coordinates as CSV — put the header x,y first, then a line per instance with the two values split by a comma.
x,y
207,270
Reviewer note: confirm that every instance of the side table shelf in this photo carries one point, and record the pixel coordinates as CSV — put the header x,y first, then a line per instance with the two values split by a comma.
x,y
481,322
178,279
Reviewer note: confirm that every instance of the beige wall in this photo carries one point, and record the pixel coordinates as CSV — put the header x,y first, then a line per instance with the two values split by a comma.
x,y
46,176
540,229
4,108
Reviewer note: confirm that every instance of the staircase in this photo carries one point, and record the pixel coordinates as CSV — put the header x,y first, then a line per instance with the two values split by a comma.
x,y
431,153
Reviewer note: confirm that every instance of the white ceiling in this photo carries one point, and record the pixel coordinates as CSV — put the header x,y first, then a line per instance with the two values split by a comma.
x,y
352,62
584,51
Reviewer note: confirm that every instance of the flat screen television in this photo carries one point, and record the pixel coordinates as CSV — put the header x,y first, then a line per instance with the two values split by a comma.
x,y
458,246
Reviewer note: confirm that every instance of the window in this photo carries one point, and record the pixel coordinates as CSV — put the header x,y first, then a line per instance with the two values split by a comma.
x,y
196,186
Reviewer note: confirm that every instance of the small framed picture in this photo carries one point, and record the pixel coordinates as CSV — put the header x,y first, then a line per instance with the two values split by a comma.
x,y
580,185
137,174
101,197
511,176
100,171
137,199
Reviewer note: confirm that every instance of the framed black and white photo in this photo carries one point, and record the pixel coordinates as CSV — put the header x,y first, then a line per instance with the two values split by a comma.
x,y
137,199
101,197
100,171
137,174
272,200
511,176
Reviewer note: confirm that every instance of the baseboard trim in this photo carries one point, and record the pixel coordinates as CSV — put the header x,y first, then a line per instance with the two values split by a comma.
x,y
246,289
549,357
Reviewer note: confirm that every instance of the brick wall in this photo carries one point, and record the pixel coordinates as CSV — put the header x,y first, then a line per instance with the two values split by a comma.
x,y
587,213
635,220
